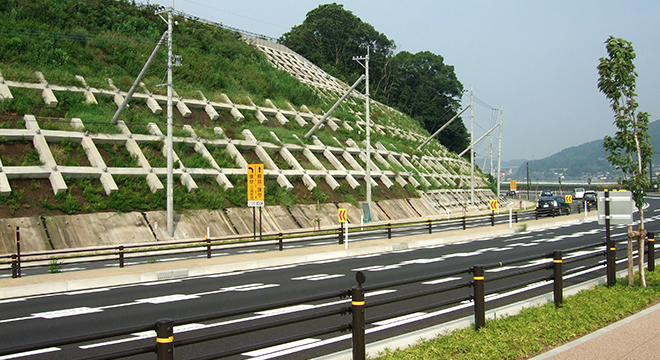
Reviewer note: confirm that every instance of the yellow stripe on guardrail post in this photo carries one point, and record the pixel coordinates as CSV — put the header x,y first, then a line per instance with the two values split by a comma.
x,y
357,326
558,278
479,297
121,255
164,339
651,242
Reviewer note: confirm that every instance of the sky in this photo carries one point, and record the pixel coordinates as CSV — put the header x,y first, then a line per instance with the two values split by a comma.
x,y
534,60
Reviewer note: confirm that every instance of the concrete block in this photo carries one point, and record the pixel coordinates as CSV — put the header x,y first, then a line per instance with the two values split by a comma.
x,y
5,93
211,112
154,129
109,184
313,159
309,182
332,124
260,116
134,149
49,97
413,181
378,157
183,109
5,188
89,97
247,134
347,126
400,180
154,106
236,114
351,161
236,155
351,181
290,159
331,182
300,120
77,124
224,182
284,182
118,99
266,160
281,118
333,160
270,104
92,152
188,182
57,182
154,182
386,181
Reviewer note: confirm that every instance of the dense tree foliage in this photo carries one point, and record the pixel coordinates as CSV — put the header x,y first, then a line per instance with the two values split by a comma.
x,y
420,85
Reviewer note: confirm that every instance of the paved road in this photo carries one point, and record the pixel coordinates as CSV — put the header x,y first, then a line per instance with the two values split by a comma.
x,y
36,318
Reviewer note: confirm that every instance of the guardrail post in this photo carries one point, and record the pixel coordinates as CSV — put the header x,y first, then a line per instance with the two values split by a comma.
x,y
492,218
515,217
536,214
430,226
579,206
340,233
389,230
558,278
651,260
208,248
357,326
121,256
464,223
479,297
280,238
164,339
14,266
18,251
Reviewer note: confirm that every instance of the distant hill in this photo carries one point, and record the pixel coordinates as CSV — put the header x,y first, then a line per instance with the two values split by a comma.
x,y
583,161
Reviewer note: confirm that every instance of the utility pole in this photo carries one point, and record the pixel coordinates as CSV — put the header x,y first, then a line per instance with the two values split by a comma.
x,y
499,153
368,130
471,145
528,180
170,151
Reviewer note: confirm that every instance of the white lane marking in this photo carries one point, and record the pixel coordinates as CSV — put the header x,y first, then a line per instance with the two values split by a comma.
x,y
16,319
269,353
399,319
367,256
66,312
6,301
161,282
285,310
379,292
30,353
322,243
440,281
326,261
227,274
499,269
90,291
167,299
281,267
72,269
318,277
248,251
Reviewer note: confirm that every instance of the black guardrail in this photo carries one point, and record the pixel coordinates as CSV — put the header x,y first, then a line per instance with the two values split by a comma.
x,y
55,258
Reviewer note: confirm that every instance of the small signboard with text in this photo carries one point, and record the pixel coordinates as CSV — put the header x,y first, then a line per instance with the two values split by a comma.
x,y
621,207
255,185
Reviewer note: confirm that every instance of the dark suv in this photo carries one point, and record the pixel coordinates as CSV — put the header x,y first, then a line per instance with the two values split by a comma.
x,y
553,205
590,197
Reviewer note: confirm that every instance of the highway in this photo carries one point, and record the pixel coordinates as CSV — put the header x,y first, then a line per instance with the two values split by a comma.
x,y
39,318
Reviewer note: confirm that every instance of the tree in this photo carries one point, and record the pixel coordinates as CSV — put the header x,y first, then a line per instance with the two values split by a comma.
x,y
424,87
330,36
630,149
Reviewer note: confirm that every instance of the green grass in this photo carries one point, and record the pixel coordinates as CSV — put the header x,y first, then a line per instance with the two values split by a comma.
x,y
538,329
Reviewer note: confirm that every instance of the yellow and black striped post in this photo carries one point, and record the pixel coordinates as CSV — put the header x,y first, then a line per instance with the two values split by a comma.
x,y
14,266
340,233
651,261
18,251
464,223
479,297
164,339
430,225
121,255
208,247
280,238
389,231
558,278
357,326
492,218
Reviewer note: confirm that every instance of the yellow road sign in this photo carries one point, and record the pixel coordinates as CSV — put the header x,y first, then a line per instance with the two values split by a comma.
x,y
493,205
342,215
569,198
513,185
255,182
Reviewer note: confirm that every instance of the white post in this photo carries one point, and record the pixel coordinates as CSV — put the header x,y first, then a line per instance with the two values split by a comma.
x,y
510,218
346,236
170,151
207,233
361,222
472,146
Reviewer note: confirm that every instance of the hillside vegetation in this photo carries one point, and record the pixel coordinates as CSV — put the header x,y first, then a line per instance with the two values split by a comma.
x,y
108,39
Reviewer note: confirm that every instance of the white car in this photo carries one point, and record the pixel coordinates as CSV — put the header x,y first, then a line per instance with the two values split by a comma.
x,y
578,193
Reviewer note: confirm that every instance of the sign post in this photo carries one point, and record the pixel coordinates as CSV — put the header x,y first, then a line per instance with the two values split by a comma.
x,y
255,193
342,221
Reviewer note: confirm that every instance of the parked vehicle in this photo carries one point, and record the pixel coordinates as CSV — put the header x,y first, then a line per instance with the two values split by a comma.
x,y
578,193
546,193
553,205
512,193
591,197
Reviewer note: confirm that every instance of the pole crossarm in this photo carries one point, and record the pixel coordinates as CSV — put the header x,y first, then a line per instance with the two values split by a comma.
x,y
481,138
327,114
442,128
138,79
